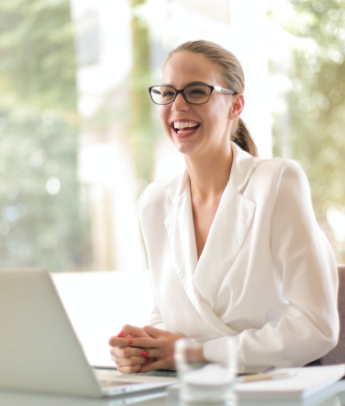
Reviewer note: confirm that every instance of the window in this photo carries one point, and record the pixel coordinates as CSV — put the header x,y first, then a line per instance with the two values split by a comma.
x,y
80,139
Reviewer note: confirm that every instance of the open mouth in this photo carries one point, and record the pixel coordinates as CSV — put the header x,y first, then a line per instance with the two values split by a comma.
x,y
185,127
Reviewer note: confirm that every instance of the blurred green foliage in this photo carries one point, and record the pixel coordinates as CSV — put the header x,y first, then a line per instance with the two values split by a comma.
x,y
312,129
130,106
142,135
40,222
37,66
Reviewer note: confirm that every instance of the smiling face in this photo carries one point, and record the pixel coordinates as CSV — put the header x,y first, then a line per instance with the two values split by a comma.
x,y
197,129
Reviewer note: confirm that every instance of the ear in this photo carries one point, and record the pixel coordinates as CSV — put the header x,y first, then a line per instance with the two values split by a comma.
x,y
236,107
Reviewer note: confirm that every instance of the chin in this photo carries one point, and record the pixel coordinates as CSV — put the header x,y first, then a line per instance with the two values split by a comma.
x,y
186,149
185,146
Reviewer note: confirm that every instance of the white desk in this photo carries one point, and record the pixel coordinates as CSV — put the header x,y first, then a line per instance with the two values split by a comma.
x,y
158,398
95,305
332,396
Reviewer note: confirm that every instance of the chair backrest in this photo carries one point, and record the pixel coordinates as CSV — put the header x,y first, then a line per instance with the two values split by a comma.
x,y
337,355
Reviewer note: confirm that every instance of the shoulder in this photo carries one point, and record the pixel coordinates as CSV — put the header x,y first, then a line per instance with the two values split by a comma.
x,y
277,164
155,198
153,192
279,171
151,198
274,178
258,173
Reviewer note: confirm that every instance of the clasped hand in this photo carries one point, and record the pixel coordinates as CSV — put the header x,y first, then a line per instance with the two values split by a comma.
x,y
144,349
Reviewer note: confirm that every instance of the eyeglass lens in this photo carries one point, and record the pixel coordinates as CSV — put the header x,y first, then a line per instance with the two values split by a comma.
x,y
196,94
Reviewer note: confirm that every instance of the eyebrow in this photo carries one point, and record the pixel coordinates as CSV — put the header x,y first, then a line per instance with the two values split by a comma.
x,y
189,84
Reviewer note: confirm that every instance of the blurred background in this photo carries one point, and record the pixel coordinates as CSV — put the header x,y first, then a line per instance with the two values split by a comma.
x,y
80,139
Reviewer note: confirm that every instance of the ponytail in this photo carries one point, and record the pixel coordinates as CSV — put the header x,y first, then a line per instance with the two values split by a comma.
x,y
240,135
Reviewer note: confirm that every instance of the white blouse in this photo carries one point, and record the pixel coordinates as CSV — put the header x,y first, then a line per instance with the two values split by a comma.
x,y
266,276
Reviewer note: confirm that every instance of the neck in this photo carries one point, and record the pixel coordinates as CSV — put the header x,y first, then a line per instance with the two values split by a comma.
x,y
209,175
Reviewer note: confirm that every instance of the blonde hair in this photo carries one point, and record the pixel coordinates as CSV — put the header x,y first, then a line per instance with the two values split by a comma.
x,y
233,77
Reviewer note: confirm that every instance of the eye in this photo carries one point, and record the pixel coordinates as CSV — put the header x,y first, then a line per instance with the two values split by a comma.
x,y
195,91
168,93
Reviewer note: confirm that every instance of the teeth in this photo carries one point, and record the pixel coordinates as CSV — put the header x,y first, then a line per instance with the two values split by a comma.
x,y
184,124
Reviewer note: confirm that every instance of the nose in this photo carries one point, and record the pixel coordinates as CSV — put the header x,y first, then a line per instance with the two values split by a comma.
x,y
180,104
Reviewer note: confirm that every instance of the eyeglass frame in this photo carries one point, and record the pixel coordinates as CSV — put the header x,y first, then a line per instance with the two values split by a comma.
x,y
178,91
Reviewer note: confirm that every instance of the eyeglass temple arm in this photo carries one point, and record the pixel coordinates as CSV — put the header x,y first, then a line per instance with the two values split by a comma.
x,y
220,89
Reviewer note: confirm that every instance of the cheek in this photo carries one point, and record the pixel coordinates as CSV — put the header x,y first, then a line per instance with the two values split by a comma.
x,y
163,113
216,117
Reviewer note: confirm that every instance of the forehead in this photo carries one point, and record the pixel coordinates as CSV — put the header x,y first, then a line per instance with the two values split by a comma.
x,y
187,67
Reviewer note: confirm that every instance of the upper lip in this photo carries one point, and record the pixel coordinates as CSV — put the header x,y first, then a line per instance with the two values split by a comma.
x,y
187,121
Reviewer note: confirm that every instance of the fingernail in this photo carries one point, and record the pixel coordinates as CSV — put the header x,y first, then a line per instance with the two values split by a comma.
x,y
130,341
147,359
121,333
144,353
138,372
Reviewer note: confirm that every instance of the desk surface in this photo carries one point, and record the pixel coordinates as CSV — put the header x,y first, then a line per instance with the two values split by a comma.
x,y
334,395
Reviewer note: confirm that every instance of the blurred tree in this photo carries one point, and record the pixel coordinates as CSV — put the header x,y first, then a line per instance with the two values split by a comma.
x,y
40,222
37,54
141,132
312,130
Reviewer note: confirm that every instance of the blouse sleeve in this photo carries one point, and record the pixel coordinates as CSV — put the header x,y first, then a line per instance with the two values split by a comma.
x,y
306,270
156,319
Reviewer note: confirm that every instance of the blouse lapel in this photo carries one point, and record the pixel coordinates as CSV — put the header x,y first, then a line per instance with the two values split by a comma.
x,y
228,230
180,227
201,280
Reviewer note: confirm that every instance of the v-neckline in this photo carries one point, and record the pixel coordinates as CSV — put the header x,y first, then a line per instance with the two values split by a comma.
x,y
193,223
208,232
201,276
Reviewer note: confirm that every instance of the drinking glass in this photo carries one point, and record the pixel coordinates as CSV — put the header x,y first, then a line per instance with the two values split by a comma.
x,y
206,381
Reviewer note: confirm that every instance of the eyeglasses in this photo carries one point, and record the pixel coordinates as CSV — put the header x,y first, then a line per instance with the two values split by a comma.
x,y
193,93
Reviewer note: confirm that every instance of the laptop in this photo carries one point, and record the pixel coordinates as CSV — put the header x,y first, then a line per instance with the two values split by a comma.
x,y
39,350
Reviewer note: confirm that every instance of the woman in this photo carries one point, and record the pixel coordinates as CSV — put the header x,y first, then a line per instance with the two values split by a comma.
x,y
233,245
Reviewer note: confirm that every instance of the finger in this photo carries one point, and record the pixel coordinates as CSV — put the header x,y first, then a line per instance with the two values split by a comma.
x,y
152,353
129,369
153,331
153,366
120,342
145,342
130,361
128,352
128,330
